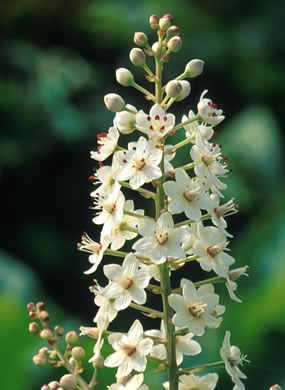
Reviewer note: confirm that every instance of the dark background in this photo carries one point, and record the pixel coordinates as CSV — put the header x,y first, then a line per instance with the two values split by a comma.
x,y
58,60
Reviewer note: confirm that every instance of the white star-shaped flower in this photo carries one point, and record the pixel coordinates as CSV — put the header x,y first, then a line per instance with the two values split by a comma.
x,y
127,283
107,144
209,162
196,308
232,357
106,305
111,206
194,382
184,344
157,124
217,213
131,350
125,121
104,177
187,195
210,248
140,163
208,111
192,128
160,239
96,249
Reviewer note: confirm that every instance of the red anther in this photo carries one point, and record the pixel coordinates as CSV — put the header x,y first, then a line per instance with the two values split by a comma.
x,y
125,161
213,105
165,118
134,148
102,135
215,133
150,127
225,158
156,117
100,163
148,118
162,128
91,178
142,160
99,147
214,114
214,144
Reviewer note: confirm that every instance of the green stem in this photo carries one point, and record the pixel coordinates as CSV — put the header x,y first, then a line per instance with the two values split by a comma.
x,y
192,369
154,313
142,191
137,215
129,229
143,90
196,118
148,71
179,145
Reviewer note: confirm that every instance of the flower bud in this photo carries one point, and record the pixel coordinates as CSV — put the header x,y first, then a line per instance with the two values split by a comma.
x,y
169,17
31,307
40,359
164,23
46,334
154,22
186,89
174,44
44,350
173,88
45,387
155,48
34,328
137,56
40,306
33,314
68,382
124,77
53,385
78,353
140,39
98,362
275,387
58,331
194,68
236,273
44,316
172,31
114,102
71,337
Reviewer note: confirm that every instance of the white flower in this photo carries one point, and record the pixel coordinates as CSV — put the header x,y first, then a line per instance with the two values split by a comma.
x,y
209,161
119,235
160,239
157,124
210,248
131,350
196,308
168,157
187,195
102,324
111,206
194,382
126,121
208,111
105,177
130,383
184,344
96,249
127,283
231,285
217,213
194,127
107,144
140,163
232,357
106,305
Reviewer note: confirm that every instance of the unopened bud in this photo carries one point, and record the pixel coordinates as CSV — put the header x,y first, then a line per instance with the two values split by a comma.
x,y
40,359
124,77
114,102
98,362
236,273
154,22
53,385
140,39
33,314
164,23
137,56
46,334
78,353
172,31
68,382
194,68
40,306
169,17
34,328
71,337
45,387
52,355
44,316
174,44
155,48
186,89
58,331
31,307
44,350
275,387
173,88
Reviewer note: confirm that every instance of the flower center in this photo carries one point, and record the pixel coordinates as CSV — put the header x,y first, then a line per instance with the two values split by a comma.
x,y
109,207
197,309
161,237
207,159
126,283
190,194
214,250
128,349
139,164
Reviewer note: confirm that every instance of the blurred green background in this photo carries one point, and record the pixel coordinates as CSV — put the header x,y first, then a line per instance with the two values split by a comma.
x,y
58,59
